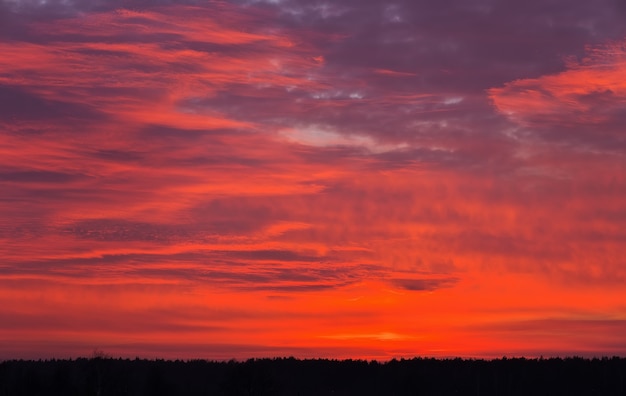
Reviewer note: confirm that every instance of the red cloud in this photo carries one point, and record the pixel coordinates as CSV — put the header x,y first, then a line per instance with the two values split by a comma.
x,y
150,200
590,92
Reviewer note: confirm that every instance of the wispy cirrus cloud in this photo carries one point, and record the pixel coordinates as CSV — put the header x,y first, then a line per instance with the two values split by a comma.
x,y
583,104
276,172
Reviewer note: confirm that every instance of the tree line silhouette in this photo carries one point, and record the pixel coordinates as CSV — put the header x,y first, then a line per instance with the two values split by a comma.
x,y
102,376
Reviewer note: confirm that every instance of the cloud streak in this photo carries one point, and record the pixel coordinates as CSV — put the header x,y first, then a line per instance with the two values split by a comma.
x,y
289,177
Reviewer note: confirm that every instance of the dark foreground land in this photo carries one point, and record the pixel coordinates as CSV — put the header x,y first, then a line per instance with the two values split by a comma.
x,y
107,376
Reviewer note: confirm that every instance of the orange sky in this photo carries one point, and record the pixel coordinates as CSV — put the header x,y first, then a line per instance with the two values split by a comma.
x,y
234,180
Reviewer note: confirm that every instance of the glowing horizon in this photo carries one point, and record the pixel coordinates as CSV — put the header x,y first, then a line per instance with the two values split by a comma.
x,y
236,179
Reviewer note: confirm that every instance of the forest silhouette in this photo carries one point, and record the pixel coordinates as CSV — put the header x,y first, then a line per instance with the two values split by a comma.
x,y
102,375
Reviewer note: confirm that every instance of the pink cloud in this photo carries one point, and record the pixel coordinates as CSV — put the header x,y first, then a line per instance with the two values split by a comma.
x,y
590,93
179,174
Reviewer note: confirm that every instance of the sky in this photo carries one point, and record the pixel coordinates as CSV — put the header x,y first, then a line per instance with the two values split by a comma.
x,y
339,179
